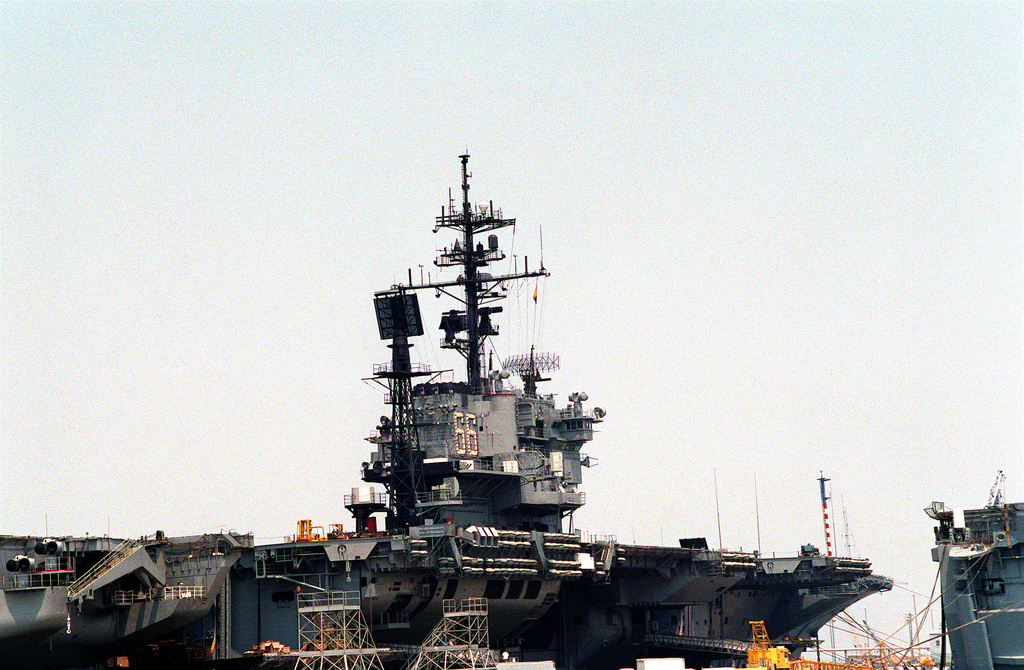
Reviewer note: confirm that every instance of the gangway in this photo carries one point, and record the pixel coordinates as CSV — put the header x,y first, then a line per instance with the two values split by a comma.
x,y
116,556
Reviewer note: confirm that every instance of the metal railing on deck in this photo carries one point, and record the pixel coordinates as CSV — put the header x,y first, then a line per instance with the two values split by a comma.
x,y
374,498
129,597
438,497
328,600
36,580
467,606
177,592
183,591
55,571
385,368
800,664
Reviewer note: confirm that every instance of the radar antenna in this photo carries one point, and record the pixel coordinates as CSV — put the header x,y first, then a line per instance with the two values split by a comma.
x,y
529,366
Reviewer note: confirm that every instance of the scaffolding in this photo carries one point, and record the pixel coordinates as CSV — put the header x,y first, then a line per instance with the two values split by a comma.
x,y
333,634
460,641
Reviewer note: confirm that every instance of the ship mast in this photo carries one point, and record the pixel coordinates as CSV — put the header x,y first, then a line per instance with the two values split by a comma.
x,y
473,362
824,512
478,288
398,319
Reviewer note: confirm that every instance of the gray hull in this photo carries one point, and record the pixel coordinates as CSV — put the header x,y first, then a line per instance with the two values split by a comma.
x,y
156,590
214,598
980,554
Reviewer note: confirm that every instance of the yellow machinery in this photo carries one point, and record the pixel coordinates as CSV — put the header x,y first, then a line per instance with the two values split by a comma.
x,y
762,654
307,532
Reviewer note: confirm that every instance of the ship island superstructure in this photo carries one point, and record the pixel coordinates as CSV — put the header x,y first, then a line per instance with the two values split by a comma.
x,y
476,482
478,452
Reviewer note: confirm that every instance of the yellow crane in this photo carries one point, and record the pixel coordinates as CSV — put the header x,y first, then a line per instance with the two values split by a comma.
x,y
763,655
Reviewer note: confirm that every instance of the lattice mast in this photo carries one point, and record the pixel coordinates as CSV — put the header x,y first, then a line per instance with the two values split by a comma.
x,y
333,634
997,494
470,256
398,318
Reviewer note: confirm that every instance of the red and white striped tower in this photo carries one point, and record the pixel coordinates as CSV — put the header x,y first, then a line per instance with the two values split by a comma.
x,y
824,512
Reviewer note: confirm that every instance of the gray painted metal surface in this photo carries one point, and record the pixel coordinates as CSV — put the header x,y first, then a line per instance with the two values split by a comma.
x,y
980,554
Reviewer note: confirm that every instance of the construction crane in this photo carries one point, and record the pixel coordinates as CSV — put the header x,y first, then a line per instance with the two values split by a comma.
x,y
882,651
997,494
762,654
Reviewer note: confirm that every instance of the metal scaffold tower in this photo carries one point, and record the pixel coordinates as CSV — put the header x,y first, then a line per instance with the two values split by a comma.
x,y
333,634
460,640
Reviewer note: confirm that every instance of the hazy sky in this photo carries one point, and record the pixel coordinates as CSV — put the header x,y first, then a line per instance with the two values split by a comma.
x,y
783,238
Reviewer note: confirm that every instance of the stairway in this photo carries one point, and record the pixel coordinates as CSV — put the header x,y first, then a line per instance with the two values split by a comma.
x,y
116,556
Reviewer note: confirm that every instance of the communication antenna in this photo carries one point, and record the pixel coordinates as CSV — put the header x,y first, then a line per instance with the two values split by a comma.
x,y
846,529
718,511
466,329
541,247
757,516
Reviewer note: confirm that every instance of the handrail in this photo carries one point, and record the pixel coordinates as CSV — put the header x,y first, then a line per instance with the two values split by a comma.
x,y
116,555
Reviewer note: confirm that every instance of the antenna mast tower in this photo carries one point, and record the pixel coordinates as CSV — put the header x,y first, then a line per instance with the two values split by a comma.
x,y
479,288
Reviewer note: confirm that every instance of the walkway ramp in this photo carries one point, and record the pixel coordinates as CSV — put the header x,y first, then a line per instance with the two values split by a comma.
x,y
126,558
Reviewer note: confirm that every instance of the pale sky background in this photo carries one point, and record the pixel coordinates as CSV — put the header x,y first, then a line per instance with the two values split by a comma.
x,y
784,239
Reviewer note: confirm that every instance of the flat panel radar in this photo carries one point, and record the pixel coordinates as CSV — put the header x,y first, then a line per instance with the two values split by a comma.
x,y
398,314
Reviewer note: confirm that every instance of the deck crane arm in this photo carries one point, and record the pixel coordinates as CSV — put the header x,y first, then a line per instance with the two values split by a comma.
x,y
996,493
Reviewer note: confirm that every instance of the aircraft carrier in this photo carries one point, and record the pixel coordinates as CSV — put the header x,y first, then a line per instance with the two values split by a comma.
x,y
465,510
980,553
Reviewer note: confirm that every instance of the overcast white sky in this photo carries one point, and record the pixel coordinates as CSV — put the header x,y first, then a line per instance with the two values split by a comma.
x,y
784,239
